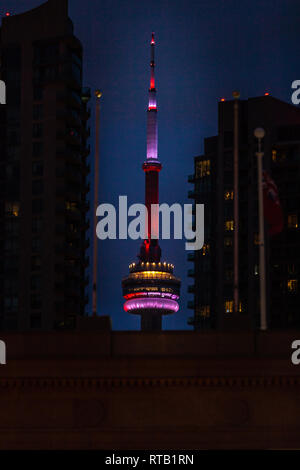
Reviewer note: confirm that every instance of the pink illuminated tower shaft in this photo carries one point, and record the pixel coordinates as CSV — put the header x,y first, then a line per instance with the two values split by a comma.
x,y
150,250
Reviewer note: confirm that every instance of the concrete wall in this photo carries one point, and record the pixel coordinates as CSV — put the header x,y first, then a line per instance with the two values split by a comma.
x,y
133,390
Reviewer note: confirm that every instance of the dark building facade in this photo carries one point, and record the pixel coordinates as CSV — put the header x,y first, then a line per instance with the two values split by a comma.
x,y
102,389
43,168
213,180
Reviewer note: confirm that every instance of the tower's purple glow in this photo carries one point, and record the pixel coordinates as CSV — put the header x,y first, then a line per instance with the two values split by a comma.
x,y
151,304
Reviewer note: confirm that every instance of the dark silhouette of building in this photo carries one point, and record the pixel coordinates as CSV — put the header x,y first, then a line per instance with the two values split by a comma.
x,y
212,273
43,168
151,289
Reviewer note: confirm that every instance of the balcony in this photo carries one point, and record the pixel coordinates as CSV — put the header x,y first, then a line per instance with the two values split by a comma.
x,y
191,194
191,289
191,256
191,273
191,305
191,178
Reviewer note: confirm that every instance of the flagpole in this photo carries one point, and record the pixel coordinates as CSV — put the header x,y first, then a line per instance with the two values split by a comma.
x,y
236,96
259,133
98,95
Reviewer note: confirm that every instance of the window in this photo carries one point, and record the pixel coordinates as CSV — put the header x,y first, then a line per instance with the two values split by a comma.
x,y
11,245
36,282
71,206
204,311
256,239
228,274
202,168
292,221
292,285
229,306
256,270
73,228
36,263
37,169
229,225
37,93
11,303
37,130
278,155
228,242
37,225
205,249
12,209
37,112
228,195
37,149
36,245
12,227
37,205
37,187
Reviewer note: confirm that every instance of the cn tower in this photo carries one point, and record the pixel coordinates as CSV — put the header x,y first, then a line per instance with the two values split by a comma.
x,y
151,290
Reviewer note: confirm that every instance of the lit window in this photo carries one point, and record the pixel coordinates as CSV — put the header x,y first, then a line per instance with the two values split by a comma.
x,y
71,206
256,239
202,169
292,285
292,221
229,225
278,155
205,311
205,249
228,195
12,209
229,306
256,270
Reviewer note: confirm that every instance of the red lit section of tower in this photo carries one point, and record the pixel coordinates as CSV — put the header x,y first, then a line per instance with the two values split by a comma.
x,y
151,289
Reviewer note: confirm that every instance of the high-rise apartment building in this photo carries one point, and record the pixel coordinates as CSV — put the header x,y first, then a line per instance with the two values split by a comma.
x,y
213,179
43,169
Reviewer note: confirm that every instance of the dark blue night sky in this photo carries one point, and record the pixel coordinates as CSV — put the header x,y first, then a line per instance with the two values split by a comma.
x,y
205,50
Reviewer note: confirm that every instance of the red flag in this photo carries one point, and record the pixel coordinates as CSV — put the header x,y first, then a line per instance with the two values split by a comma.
x,y
272,207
